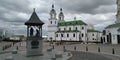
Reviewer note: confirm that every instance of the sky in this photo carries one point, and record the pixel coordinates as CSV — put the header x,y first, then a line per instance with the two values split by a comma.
x,y
14,13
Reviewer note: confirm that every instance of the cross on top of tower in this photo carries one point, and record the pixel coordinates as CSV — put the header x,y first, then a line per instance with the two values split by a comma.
x,y
34,9
52,5
60,9
34,19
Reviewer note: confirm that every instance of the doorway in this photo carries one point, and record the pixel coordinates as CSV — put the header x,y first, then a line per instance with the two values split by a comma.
x,y
118,38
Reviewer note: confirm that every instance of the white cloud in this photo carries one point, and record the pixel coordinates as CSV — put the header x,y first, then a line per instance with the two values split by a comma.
x,y
14,13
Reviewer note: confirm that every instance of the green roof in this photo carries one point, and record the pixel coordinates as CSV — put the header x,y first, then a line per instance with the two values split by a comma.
x,y
69,23
113,25
67,31
91,30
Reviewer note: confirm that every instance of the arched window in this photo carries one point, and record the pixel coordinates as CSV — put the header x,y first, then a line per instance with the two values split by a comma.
x,y
64,28
51,22
73,35
67,35
61,35
76,28
82,35
55,22
69,28
104,32
59,29
56,35
82,28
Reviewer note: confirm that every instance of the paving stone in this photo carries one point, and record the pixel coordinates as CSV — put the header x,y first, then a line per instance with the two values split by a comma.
x,y
87,56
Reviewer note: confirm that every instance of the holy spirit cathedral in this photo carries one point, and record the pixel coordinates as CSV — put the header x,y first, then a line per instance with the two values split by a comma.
x,y
75,30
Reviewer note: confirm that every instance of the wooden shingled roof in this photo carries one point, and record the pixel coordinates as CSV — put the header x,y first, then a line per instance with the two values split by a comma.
x,y
34,20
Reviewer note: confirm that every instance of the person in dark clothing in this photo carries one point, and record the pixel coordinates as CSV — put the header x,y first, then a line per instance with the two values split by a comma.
x,y
31,31
37,32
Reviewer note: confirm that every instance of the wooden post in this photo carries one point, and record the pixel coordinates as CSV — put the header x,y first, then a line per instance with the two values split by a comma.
x,y
64,48
75,48
113,51
53,47
98,49
86,48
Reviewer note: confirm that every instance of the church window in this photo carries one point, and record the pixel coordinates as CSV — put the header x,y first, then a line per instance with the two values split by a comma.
x,y
64,28
69,28
55,22
67,35
76,28
82,35
56,35
104,32
51,22
82,28
60,18
50,38
93,38
73,35
92,34
59,29
61,35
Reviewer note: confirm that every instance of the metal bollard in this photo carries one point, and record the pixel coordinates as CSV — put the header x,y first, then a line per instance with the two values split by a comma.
x,y
53,47
98,49
113,51
64,48
16,47
75,48
86,48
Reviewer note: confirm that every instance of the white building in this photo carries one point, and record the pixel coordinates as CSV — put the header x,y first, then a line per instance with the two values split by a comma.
x,y
94,35
72,31
111,34
90,26
17,37
61,30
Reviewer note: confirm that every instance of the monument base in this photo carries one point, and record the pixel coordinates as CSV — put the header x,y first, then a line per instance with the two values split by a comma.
x,y
33,53
34,46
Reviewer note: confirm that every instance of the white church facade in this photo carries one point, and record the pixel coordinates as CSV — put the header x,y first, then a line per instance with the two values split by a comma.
x,y
111,34
76,30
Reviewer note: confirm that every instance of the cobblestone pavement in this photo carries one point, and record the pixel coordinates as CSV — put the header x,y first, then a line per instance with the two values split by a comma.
x,y
2,43
104,49
21,46
91,56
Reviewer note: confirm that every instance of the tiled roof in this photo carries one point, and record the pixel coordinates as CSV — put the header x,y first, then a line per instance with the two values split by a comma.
x,y
69,23
113,25
34,20
91,30
67,31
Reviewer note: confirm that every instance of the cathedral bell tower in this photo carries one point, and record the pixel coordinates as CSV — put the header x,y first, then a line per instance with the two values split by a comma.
x,y
34,35
61,16
53,13
52,25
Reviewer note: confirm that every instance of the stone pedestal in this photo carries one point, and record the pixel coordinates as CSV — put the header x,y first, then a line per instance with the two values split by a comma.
x,y
34,46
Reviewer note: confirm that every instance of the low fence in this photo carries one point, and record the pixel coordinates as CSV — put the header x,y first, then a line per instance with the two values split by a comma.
x,y
96,49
